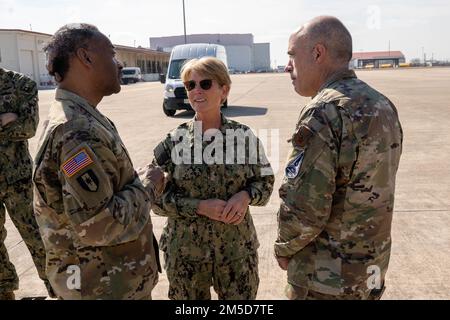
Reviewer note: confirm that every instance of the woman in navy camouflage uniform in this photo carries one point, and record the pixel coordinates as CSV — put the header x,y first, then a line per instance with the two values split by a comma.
x,y
209,238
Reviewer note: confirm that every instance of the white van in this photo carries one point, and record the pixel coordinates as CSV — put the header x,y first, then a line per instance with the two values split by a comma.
x,y
175,96
131,75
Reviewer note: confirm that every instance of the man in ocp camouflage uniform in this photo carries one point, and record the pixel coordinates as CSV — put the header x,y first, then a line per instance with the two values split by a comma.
x,y
19,118
92,209
337,197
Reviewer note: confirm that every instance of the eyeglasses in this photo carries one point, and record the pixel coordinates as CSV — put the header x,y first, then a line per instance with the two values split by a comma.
x,y
205,84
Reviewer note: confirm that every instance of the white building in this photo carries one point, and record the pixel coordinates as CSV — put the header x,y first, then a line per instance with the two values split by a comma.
x,y
22,51
261,56
242,53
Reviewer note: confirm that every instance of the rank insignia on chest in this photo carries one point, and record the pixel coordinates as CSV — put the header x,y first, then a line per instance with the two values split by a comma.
x,y
88,181
76,163
294,165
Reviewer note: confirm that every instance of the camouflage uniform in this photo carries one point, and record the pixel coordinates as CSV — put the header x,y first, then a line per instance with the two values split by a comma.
x,y
91,207
338,192
200,252
18,94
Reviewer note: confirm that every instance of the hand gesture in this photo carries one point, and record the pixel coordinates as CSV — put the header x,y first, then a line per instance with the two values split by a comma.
x,y
211,208
154,178
236,208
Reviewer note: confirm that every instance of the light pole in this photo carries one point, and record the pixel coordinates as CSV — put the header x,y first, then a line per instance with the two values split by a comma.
x,y
184,20
423,55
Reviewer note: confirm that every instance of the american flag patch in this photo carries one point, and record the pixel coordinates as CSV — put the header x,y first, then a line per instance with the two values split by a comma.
x,y
76,163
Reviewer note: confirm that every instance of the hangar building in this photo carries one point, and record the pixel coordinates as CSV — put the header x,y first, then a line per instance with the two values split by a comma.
x,y
243,54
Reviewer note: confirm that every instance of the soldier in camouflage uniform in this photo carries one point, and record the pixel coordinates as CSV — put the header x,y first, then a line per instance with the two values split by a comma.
x,y
209,238
91,206
19,118
337,197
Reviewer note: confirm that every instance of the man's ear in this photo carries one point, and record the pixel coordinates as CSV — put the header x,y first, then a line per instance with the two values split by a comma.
x,y
83,55
319,53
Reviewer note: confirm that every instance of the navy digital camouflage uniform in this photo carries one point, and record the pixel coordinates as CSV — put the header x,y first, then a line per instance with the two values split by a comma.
x,y
337,197
19,95
200,252
92,209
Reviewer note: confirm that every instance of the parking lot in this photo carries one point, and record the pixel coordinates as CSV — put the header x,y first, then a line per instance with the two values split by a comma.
x,y
420,259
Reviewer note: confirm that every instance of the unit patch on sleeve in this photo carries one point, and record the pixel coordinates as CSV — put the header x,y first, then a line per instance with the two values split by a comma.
x,y
88,181
76,163
294,165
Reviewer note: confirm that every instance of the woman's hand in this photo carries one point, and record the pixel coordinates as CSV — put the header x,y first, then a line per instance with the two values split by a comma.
x,y
236,208
211,208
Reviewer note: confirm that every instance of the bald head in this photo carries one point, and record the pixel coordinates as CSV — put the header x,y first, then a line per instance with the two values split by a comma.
x,y
330,32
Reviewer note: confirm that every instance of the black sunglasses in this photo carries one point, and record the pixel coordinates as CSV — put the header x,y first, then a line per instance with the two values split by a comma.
x,y
205,84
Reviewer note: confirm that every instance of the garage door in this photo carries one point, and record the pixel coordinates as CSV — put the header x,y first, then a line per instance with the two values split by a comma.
x,y
26,63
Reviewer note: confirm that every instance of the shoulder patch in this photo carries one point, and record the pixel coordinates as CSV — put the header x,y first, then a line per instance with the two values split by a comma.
x,y
302,136
293,167
76,163
89,181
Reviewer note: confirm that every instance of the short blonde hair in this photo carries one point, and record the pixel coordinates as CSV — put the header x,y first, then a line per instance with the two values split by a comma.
x,y
209,67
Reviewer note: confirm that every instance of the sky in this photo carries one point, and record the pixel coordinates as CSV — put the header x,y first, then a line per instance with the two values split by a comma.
x,y
413,27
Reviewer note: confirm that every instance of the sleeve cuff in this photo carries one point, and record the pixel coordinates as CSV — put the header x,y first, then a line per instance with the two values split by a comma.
x,y
287,249
187,207
251,195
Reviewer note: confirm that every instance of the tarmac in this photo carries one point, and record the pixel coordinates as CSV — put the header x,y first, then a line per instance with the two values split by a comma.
x,y
420,258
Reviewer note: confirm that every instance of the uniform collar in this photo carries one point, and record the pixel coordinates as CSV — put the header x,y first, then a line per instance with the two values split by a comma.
x,y
64,95
340,75
225,124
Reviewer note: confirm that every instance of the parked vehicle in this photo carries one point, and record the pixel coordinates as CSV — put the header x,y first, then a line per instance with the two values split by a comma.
x,y
131,75
175,96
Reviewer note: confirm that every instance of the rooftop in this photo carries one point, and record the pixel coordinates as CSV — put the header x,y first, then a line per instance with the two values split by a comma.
x,y
26,31
117,46
377,55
